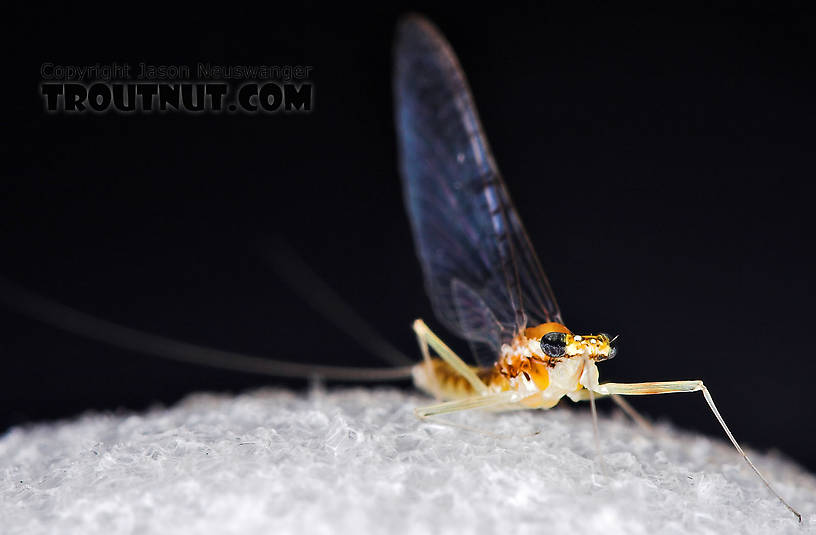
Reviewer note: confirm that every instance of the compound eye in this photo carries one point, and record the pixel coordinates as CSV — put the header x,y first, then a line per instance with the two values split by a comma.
x,y
554,344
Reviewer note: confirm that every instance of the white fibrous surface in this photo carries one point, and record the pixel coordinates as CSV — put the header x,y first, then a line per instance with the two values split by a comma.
x,y
359,461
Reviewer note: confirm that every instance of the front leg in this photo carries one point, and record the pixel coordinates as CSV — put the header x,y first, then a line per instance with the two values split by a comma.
x,y
672,387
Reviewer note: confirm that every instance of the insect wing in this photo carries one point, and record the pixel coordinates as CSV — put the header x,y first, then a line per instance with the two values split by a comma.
x,y
481,274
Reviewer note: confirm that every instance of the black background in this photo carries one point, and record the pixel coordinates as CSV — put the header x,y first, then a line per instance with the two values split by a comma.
x,y
662,163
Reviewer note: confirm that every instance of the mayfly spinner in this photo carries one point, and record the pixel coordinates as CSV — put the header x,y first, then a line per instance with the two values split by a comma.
x,y
483,278
481,274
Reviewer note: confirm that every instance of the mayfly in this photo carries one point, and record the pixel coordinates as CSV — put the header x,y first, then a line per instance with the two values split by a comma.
x,y
484,281
482,276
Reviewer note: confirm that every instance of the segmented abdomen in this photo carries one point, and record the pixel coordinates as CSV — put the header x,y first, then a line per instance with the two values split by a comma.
x,y
445,382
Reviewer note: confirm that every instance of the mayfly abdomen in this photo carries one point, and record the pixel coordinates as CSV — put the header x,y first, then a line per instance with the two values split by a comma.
x,y
438,378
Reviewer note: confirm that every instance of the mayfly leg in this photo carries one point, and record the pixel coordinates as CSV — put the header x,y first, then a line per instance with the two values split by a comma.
x,y
488,401
632,412
672,387
427,338
625,406
473,402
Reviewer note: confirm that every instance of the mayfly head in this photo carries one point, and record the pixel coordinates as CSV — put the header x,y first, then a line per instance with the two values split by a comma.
x,y
596,347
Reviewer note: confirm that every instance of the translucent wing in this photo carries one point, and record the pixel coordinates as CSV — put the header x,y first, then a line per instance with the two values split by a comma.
x,y
481,273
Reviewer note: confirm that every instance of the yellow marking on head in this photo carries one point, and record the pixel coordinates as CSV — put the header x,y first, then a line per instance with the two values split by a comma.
x,y
594,346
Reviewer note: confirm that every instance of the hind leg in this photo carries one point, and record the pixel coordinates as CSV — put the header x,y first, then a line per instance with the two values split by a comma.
x,y
427,338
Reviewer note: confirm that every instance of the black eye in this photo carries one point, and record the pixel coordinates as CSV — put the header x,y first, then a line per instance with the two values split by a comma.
x,y
554,344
